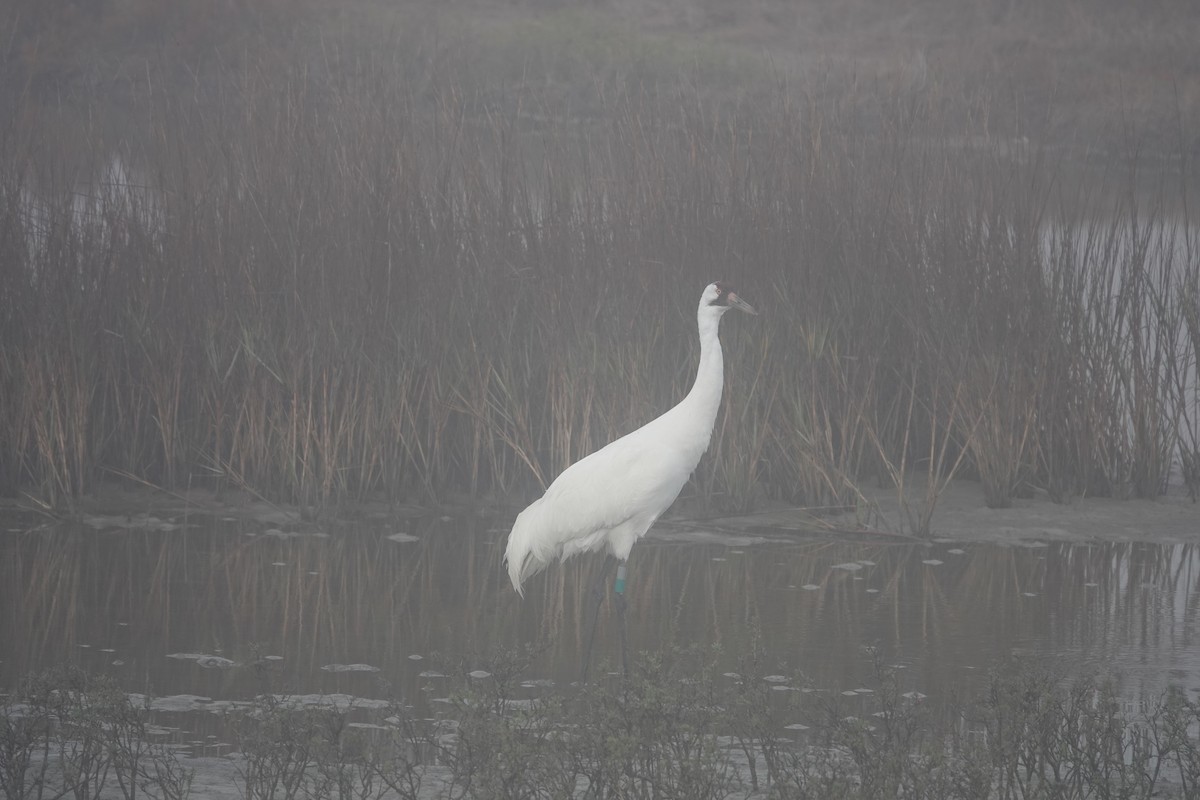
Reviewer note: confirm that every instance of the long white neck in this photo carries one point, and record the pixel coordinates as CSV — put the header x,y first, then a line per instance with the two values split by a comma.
x,y
702,402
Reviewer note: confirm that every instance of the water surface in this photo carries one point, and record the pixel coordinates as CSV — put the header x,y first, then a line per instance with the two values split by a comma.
x,y
374,609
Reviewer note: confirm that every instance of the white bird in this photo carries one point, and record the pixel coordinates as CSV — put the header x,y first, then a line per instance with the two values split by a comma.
x,y
610,498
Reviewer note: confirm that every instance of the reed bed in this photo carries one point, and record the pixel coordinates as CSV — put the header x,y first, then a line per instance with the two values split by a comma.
x,y
332,288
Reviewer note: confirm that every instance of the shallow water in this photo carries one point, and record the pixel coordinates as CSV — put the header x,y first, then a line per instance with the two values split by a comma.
x,y
372,609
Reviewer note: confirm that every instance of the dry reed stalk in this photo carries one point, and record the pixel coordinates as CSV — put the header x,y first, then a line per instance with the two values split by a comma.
x,y
347,287
1002,398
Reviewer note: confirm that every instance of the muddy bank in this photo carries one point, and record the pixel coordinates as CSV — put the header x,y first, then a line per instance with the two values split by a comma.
x,y
960,515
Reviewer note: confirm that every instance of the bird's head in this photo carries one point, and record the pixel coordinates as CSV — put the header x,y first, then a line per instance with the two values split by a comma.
x,y
720,297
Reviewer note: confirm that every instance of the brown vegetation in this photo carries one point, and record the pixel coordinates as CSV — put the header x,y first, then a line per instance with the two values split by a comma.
x,y
675,728
329,273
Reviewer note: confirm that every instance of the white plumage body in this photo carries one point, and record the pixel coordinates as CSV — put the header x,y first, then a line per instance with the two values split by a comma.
x,y
612,497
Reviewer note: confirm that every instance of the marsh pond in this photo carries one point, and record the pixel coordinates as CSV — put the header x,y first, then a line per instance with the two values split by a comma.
x,y
197,614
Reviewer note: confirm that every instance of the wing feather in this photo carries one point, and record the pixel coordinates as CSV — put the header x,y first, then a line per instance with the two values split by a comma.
x,y
627,481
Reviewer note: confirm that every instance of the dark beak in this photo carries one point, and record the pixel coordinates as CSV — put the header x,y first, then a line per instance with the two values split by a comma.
x,y
740,304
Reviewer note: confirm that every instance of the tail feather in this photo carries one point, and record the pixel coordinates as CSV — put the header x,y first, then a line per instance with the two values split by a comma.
x,y
521,556
539,537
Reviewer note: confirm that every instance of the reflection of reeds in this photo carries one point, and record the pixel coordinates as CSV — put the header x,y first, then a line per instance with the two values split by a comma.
x,y
356,597
341,289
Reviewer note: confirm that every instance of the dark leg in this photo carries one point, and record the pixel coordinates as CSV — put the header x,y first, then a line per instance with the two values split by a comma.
x,y
619,602
598,596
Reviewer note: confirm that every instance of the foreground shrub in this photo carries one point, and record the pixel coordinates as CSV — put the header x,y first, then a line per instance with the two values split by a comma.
x,y
65,732
674,728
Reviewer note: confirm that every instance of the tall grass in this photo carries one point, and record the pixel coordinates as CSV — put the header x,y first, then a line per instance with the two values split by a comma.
x,y
332,288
